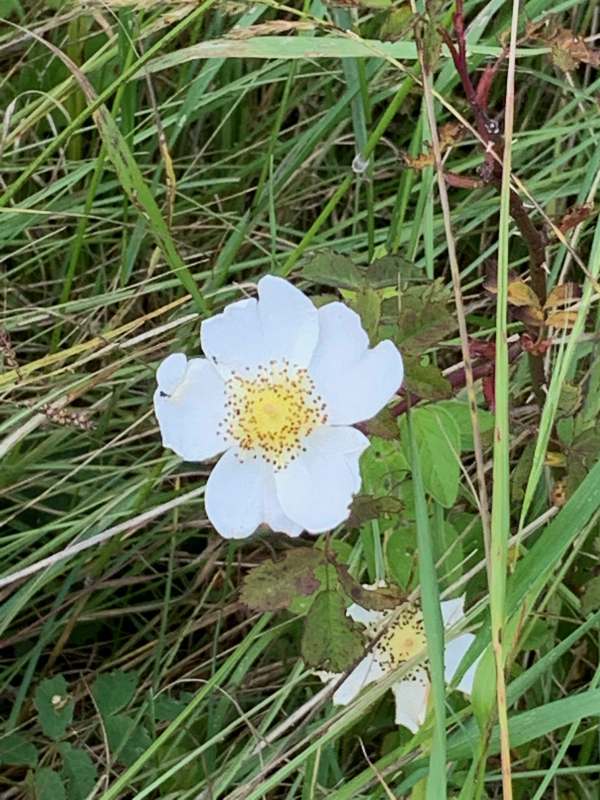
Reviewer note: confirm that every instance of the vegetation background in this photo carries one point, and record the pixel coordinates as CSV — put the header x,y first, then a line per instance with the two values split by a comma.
x,y
156,159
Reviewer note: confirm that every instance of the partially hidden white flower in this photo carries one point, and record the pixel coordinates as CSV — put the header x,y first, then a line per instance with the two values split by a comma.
x,y
280,387
402,640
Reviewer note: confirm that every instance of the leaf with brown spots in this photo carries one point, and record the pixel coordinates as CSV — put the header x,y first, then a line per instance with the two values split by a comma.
x,y
365,507
274,584
384,425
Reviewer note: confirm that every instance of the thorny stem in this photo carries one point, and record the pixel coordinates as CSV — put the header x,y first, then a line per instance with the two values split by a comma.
x,y
492,172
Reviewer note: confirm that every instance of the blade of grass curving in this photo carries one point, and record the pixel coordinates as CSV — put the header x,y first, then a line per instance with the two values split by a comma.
x,y
132,180
87,112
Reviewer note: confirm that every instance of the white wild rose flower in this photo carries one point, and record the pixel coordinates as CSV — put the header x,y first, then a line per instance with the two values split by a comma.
x,y
402,640
277,393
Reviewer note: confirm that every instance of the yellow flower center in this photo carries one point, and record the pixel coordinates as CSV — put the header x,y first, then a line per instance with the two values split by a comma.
x,y
403,639
269,414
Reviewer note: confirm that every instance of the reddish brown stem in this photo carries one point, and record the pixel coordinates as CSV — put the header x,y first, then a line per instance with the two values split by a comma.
x,y
458,379
492,171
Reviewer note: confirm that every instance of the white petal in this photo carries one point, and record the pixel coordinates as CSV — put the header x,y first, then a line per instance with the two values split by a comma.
x,y
189,415
364,615
273,515
234,339
453,611
366,671
411,700
240,496
170,372
289,319
315,490
354,381
234,495
453,656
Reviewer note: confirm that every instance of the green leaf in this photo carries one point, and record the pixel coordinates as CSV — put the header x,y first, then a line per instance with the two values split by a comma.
x,y
378,4
400,552
425,380
113,691
340,272
54,707
332,269
397,23
569,400
331,640
48,785
274,584
539,636
461,414
521,472
591,596
383,273
483,696
365,507
126,738
78,771
166,708
367,305
17,751
437,438
384,465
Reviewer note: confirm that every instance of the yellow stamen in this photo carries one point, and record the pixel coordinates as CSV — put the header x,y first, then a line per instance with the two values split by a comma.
x,y
403,639
270,413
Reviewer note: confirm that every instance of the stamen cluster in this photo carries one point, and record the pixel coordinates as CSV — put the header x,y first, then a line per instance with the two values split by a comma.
x,y
403,640
271,411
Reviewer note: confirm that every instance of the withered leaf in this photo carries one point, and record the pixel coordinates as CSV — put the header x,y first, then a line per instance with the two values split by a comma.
x,y
568,50
554,458
521,294
384,425
574,216
529,315
450,134
365,507
562,319
563,294
380,599
418,162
